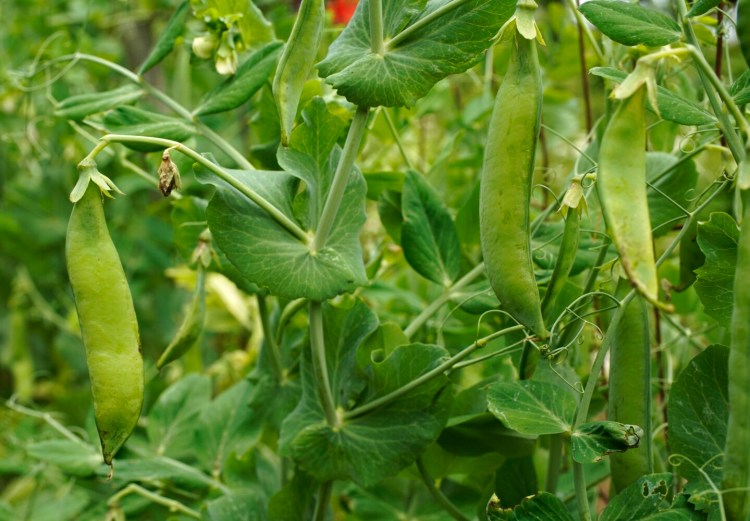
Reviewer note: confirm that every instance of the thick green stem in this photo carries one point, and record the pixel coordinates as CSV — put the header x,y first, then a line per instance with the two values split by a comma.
x,y
321,504
582,496
340,179
554,462
274,212
437,494
436,304
409,31
271,346
171,504
376,27
442,368
320,366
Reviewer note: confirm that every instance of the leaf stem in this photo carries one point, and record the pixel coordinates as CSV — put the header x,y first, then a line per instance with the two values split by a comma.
x,y
437,371
582,496
340,179
248,192
436,493
436,304
397,138
171,504
376,27
419,24
321,504
271,345
320,365
288,312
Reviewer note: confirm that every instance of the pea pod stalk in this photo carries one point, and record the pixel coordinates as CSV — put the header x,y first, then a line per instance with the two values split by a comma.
x,y
505,194
109,327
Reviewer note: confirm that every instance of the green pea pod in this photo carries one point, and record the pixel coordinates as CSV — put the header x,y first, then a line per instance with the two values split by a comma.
x,y
621,183
565,259
630,390
736,455
296,62
505,192
192,325
743,28
108,323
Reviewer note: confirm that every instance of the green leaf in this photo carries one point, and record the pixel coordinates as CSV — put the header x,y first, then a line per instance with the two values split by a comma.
x,y
669,191
640,500
236,90
153,469
138,122
698,415
671,106
171,422
543,506
372,446
631,24
428,236
166,40
379,182
515,480
475,435
717,239
701,7
76,458
229,423
246,504
448,45
262,250
531,407
293,501
740,90
592,441
78,107
67,506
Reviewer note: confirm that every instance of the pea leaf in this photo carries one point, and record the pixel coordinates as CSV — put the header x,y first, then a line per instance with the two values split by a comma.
x,y
515,480
671,106
249,78
701,7
698,415
631,24
139,122
740,90
592,441
640,500
262,250
160,469
76,458
717,239
293,500
532,408
166,40
78,107
449,44
242,503
428,236
370,447
540,506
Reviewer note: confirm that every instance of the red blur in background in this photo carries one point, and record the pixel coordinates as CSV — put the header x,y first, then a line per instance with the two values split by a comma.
x,y
342,10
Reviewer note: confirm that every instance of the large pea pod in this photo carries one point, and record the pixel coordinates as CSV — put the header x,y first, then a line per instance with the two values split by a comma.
x,y
296,62
108,323
630,390
505,193
736,454
621,183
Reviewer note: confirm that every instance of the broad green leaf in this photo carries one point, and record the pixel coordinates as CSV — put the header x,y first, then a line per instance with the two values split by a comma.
x,y
389,211
701,7
243,15
166,40
172,419
592,441
78,107
294,500
515,480
148,470
475,435
671,106
543,506
669,191
717,239
76,458
378,444
631,24
61,507
531,407
229,423
245,504
428,235
138,122
448,45
740,90
640,500
698,415
236,90
379,182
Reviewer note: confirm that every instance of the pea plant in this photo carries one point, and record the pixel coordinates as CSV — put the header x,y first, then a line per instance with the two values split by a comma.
x,y
455,260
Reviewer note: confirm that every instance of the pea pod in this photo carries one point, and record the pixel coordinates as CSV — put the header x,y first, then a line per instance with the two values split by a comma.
x,y
108,323
505,192
296,62
565,259
736,455
621,183
192,325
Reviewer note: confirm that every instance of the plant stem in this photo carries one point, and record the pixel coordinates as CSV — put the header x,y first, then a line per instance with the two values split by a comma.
x,y
397,138
553,462
583,24
320,366
582,496
321,504
586,91
419,24
376,27
436,493
248,192
289,311
171,504
437,371
340,179
272,348
436,304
